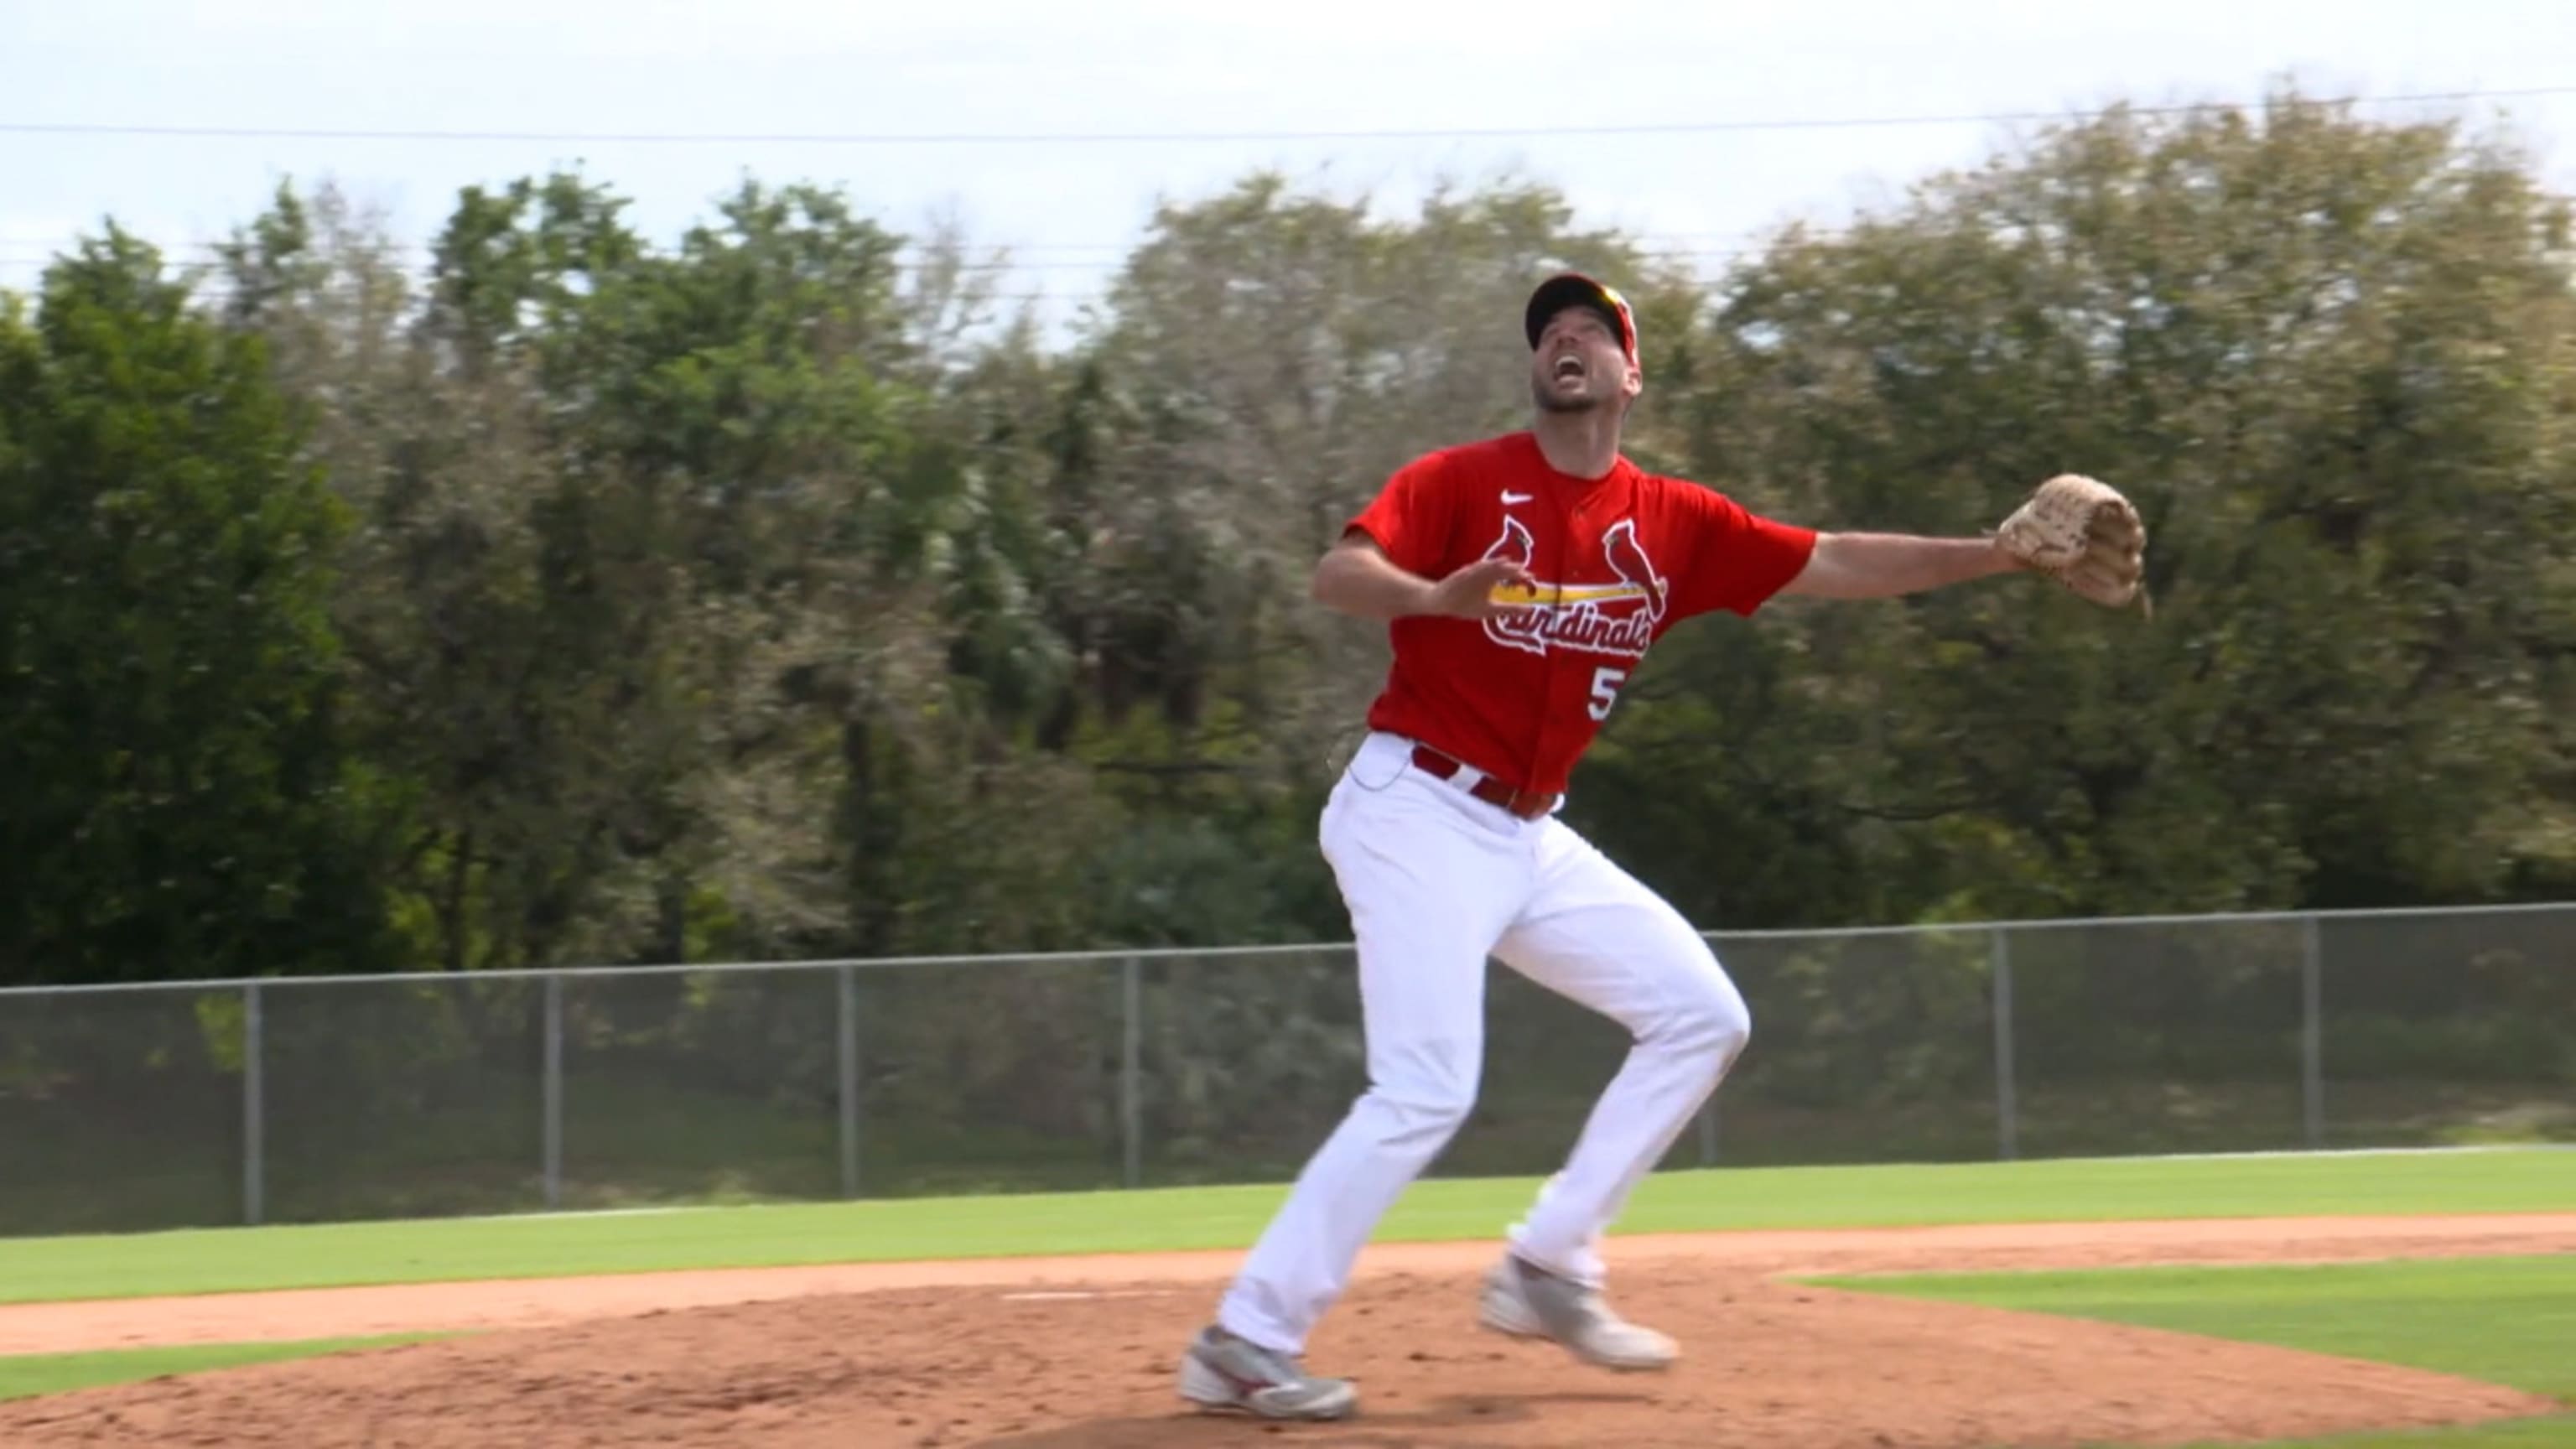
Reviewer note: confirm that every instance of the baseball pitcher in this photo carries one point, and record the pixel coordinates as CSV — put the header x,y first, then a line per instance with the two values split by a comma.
x,y
1522,579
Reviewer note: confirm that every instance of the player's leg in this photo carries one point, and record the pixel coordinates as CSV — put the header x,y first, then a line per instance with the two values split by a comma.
x,y
1429,889
1596,934
1430,878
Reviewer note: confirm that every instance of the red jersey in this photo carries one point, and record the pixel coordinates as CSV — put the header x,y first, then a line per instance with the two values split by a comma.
x,y
1617,561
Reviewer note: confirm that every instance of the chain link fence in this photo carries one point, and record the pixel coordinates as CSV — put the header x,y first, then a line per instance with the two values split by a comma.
x,y
304,1100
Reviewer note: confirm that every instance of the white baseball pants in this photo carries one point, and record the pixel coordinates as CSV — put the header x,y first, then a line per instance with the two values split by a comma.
x,y
1437,882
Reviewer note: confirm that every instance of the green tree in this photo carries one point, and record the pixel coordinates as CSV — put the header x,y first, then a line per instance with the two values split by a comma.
x,y
2330,359
183,799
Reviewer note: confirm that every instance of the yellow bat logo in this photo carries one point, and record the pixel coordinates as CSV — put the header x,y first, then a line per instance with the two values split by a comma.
x,y
1567,595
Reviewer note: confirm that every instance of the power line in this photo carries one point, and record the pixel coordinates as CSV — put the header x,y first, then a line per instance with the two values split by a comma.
x,y
421,254
1076,273
421,258
1064,138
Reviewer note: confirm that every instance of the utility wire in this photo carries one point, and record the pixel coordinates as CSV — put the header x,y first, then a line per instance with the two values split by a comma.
x,y
1043,138
422,255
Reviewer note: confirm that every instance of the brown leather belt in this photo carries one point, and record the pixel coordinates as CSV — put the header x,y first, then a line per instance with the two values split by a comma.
x,y
1528,805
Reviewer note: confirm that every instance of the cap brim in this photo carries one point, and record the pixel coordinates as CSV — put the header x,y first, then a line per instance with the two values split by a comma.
x,y
1573,289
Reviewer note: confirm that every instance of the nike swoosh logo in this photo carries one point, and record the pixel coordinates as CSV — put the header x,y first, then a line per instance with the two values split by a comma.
x,y
1518,497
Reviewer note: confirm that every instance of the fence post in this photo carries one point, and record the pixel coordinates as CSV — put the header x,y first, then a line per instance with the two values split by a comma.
x,y
1131,1021
2312,1044
849,1055
2007,1107
554,1090
254,1111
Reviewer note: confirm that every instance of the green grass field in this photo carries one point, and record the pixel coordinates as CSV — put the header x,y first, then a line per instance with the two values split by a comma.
x,y
237,1259
55,1373
2508,1321
2503,1320
2554,1433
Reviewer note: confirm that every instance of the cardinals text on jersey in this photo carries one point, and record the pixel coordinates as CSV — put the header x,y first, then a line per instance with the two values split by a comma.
x,y
1615,616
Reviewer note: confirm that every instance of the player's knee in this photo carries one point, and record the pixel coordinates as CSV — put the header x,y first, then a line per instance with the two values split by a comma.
x,y
1428,1121
1710,1017
1427,1106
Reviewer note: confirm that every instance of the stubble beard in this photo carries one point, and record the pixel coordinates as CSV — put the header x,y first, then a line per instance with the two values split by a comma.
x,y
1544,395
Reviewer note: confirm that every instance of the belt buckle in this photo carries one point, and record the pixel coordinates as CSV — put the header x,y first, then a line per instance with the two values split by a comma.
x,y
1510,799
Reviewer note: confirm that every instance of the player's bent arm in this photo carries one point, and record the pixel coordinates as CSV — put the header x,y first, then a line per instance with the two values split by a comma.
x,y
1356,577
1884,565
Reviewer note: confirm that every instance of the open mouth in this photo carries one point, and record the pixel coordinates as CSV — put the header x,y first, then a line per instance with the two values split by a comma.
x,y
1568,369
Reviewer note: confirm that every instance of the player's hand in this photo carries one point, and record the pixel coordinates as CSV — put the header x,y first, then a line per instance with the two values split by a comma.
x,y
1481,590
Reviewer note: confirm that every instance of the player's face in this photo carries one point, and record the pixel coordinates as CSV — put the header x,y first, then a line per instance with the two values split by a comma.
x,y
1579,365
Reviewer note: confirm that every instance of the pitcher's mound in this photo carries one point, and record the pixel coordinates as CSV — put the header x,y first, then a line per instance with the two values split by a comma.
x,y
1768,1365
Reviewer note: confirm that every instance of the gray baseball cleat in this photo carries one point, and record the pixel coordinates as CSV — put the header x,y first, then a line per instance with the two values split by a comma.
x,y
1224,1371
1530,1302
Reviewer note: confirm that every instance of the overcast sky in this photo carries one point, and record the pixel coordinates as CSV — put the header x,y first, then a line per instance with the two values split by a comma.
x,y
868,68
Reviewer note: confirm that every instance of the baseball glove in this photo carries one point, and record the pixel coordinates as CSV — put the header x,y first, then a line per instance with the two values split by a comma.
x,y
2083,534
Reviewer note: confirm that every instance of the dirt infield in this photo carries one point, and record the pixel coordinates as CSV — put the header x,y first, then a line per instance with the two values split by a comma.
x,y
1067,1353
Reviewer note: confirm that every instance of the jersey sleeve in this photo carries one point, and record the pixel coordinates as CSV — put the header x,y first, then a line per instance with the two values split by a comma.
x,y
1738,559
1411,517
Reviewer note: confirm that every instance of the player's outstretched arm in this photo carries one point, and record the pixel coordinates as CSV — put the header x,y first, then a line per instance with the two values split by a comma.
x,y
1884,565
2079,531
1356,577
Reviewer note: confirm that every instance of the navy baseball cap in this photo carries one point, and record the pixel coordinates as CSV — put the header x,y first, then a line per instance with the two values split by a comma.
x,y
1574,289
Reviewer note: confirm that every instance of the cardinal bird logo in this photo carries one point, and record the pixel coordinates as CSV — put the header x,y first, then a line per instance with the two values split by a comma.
x,y
1598,618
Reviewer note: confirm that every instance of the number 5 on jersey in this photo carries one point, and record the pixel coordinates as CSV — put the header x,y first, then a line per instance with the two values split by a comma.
x,y
1605,690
